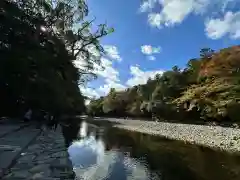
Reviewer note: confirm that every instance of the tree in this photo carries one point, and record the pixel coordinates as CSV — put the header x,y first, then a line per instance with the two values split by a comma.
x,y
175,69
96,107
36,72
224,64
37,67
192,71
206,53
66,19
208,88
218,96
157,77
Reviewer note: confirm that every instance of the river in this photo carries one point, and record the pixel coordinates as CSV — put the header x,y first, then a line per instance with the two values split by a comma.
x,y
114,154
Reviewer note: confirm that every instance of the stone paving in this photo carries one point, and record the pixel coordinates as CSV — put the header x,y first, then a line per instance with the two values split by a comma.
x,y
13,143
7,129
46,159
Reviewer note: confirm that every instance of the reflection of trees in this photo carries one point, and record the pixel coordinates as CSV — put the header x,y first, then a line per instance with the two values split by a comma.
x,y
175,160
70,132
113,140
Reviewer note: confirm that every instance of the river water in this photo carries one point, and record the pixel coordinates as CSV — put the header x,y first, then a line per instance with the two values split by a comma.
x,y
113,154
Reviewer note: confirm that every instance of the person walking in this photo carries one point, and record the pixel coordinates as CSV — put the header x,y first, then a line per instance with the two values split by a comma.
x,y
46,118
54,122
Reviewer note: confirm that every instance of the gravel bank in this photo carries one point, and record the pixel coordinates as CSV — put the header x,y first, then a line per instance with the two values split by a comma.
x,y
227,139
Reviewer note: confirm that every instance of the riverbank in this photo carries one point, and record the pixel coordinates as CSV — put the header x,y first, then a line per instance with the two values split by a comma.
x,y
223,138
44,158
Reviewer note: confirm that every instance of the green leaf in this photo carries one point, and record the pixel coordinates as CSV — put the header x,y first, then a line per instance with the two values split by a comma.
x,y
110,30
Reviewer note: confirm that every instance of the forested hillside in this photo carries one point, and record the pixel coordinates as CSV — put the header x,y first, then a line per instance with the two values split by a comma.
x,y
207,89
39,43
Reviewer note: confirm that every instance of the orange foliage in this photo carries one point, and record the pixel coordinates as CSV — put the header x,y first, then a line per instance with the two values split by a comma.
x,y
221,64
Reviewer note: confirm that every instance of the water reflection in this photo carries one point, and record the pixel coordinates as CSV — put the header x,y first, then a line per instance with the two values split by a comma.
x,y
114,154
83,129
92,161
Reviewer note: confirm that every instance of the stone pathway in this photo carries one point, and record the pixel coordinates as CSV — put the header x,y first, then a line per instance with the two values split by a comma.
x,y
46,159
7,129
16,138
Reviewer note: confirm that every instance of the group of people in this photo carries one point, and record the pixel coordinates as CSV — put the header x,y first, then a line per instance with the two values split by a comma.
x,y
42,118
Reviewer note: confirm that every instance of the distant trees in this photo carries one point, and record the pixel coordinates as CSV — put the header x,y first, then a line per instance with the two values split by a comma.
x,y
208,88
39,43
206,53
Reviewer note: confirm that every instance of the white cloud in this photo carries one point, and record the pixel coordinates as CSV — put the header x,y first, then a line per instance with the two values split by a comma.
x,y
228,25
108,71
147,5
148,49
155,20
112,52
80,63
89,92
140,77
111,84
105,70
111,79
151,58
173,12
102,90
83,63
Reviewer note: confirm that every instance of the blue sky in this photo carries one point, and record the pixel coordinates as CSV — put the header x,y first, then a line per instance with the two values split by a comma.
x,y
151,36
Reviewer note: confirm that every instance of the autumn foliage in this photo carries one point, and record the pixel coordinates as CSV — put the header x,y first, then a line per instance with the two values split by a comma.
x,y
208,89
